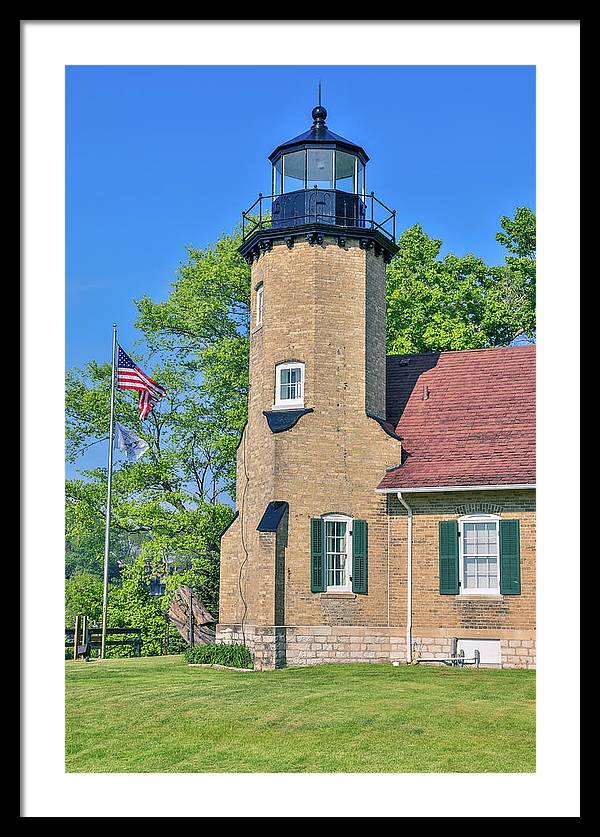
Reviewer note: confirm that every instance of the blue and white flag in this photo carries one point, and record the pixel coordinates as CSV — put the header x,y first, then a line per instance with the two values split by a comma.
x,y
130,443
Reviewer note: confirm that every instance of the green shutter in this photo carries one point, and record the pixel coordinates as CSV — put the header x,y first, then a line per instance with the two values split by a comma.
x,y
360,558
448,551
317,555
510,558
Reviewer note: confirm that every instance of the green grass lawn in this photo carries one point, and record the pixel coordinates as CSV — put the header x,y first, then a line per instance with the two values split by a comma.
x,y
156,714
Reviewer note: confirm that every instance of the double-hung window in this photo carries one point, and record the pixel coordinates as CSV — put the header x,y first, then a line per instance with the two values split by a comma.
x,y
289,385
338,553
479,553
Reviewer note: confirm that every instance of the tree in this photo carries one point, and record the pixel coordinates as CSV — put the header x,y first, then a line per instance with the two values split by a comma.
x,y
166,507
518,235
460,302
131,605
83,597
85,531
203,326
518,288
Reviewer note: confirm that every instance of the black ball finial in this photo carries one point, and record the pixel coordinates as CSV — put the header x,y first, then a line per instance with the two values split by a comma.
x,y
319,114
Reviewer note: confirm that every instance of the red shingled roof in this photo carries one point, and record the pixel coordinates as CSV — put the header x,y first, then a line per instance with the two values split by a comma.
x,y
475,427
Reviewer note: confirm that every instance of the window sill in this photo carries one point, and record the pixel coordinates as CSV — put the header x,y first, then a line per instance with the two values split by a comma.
x,y
476,597
343,594
291,405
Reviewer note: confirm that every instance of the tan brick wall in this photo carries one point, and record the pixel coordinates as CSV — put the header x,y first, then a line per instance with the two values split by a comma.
x,y
315,311
459,613
375,307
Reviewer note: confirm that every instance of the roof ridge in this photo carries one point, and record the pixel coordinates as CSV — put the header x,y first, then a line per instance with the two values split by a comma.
x,y
462,351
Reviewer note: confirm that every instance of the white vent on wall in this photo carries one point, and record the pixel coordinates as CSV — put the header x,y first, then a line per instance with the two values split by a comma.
x,y
488,648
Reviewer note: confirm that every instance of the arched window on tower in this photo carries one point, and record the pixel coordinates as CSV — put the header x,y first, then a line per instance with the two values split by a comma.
x,y
289,386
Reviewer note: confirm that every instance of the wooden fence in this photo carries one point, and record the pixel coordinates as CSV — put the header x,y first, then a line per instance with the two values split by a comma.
x,y
82,639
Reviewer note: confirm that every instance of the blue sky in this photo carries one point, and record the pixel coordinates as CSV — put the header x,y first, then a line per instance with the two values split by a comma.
x,y
158,157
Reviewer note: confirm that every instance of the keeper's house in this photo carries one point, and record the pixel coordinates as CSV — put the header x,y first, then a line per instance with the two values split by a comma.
x,y
385,505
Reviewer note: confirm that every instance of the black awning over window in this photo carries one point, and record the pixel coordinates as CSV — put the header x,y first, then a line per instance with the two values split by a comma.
x,y
272,516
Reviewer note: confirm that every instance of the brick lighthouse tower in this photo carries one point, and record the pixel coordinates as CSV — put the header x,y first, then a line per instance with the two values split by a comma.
x,y
304,556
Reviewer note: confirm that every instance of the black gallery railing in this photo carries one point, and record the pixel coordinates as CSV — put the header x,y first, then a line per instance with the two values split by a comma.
x,y
319,206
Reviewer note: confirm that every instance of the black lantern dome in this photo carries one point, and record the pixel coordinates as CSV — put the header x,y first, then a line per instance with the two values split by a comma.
x,y
320,159
319,135
318,187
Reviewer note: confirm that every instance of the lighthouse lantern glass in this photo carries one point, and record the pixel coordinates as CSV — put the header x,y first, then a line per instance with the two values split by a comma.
x,y
278,176
345,171
325,168
294,171
320,168
361,179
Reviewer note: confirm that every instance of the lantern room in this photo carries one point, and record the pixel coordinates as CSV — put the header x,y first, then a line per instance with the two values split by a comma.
x,y
318,188
318,159
318,175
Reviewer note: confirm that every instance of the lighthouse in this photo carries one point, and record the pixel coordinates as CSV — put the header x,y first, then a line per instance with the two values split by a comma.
x,y
305,551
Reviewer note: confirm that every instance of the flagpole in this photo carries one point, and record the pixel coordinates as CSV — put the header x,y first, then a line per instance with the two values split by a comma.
x,y
108,494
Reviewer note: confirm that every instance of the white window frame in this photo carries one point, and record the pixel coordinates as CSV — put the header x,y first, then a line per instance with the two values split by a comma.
x,y
260,298
288,403
477,518
346,587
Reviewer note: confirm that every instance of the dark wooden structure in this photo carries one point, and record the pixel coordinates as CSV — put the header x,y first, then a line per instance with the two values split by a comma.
x,y
190,617
83,639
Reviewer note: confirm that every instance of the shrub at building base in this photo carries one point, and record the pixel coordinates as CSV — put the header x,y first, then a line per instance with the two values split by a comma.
x,y
234,656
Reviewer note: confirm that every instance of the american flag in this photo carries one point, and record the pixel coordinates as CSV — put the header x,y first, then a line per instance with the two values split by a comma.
x,y
131,376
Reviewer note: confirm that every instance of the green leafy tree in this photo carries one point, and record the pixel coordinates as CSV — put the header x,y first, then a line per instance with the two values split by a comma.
x,y
131,605
83,597
518,236
203,327
85,501
460,302
515,294
167,508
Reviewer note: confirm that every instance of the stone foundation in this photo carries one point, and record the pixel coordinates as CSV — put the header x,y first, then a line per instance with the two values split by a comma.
x,y
518,653
515,652
311,645
264,644
304,645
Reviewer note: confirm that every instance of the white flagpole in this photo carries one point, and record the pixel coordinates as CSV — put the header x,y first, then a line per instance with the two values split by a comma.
x,y
108,493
